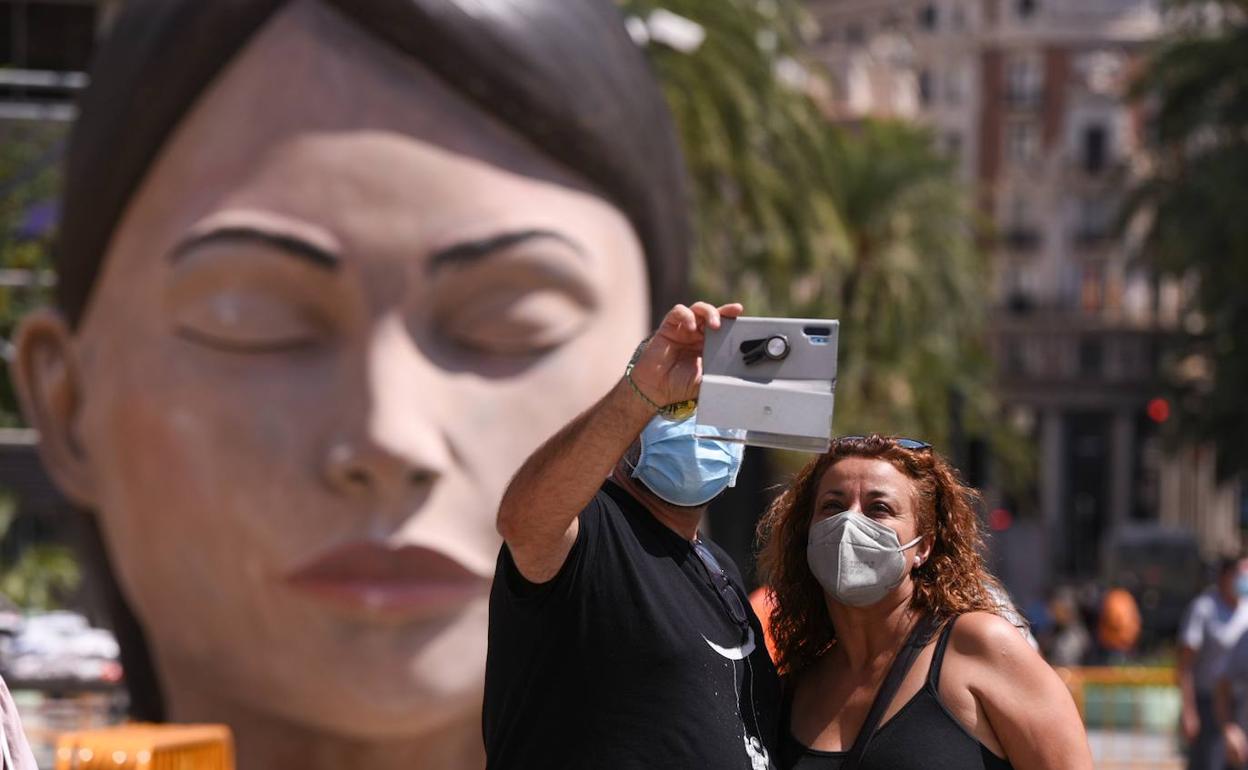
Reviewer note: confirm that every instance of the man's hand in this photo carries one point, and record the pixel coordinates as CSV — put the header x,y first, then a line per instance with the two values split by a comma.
x,y
1236,744
670,367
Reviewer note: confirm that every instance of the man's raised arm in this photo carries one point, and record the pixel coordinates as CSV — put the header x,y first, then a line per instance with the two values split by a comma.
x,y
538,513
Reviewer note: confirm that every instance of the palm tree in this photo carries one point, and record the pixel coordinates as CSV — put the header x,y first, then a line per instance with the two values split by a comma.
x,y
913,293
796,216
752,138
1193,203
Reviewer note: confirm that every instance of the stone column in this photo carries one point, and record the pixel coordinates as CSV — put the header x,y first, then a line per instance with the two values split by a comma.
x,y
1121,464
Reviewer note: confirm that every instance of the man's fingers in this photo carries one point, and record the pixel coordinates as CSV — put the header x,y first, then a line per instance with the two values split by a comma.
x,y
707,314
681,318
691,320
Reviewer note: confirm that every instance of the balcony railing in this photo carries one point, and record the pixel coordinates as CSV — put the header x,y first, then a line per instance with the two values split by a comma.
x,y
1091,237
39,94
1024,98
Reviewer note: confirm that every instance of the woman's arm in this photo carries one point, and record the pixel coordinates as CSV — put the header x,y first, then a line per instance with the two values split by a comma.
x,y
1027,705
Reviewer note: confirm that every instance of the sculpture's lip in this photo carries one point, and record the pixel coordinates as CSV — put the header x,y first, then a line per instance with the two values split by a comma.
x,y
374,578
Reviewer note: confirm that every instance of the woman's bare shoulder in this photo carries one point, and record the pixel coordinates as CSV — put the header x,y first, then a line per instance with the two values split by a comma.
x,y
992,639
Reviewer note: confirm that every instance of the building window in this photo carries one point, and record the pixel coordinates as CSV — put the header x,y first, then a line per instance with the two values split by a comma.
x,y
1022,142
1024,81
953,86
1018,209
46,36
1018,233
1091,357
1015,361
953,145
1095,148
1096,221
1019,284
1026,8
929,16
1091,295
958,17
925,88
1022,237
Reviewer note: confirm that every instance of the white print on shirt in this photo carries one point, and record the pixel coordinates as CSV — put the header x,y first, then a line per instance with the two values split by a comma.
x,y
735,653
758,755
754,749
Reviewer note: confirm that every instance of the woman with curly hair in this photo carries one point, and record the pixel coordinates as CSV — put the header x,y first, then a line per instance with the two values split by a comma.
x,y
887,630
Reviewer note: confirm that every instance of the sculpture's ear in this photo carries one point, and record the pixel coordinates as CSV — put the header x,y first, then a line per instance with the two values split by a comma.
x,y
49,388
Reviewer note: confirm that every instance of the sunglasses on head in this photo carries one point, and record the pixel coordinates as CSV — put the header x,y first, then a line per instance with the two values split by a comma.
x,y
912,444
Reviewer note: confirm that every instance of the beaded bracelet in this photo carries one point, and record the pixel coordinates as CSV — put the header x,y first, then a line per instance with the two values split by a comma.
x,y
677,411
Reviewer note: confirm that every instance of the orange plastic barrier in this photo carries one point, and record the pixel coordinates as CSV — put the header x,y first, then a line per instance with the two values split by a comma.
x,y
147,747
1131,714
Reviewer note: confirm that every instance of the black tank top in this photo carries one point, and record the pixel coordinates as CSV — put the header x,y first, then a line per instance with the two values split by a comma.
x,y
921,736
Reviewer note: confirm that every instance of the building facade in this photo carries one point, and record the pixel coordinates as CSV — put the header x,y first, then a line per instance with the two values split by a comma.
x,y
1029,96
45,46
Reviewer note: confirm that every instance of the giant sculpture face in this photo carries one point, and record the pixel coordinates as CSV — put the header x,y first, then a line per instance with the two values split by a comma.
x,y
342,308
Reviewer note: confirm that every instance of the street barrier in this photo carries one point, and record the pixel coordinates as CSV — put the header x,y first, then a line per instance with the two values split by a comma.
x,y
147,747
1131,714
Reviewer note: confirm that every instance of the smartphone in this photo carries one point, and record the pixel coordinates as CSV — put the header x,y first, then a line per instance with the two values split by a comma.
x,y
772,380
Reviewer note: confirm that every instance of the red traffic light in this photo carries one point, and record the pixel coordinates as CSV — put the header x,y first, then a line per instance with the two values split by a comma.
x,y
1000,519
1158,410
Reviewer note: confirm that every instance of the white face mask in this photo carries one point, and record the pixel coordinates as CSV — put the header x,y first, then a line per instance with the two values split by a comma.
x,y
856,560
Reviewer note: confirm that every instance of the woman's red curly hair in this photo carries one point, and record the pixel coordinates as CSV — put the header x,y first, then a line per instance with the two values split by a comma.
x,y
952,581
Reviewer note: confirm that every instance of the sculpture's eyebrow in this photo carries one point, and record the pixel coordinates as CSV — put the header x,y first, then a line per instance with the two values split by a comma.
x,y
472,250
288,243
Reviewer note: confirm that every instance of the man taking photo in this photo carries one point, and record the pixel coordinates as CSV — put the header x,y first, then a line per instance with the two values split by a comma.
x,y
619,637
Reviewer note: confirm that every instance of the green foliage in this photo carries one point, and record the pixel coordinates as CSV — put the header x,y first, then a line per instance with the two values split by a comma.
x,y
43,575
1193,203
29,174
913,293
763,212
799,217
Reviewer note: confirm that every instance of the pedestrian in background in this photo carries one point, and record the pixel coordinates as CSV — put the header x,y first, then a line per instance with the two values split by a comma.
x,y
1118,627
1068,642
1213,625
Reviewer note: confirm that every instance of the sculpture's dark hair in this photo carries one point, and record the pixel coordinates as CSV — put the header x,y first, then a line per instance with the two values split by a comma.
x,y
564,74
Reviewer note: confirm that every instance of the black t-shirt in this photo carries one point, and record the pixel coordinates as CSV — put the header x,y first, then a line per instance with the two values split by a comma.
x,y
628,658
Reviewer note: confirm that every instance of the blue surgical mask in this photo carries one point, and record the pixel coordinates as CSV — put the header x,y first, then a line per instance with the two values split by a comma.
x,y
680,467
1241,584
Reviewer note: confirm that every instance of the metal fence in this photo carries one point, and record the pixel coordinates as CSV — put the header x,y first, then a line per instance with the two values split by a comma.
x,y
1131,714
